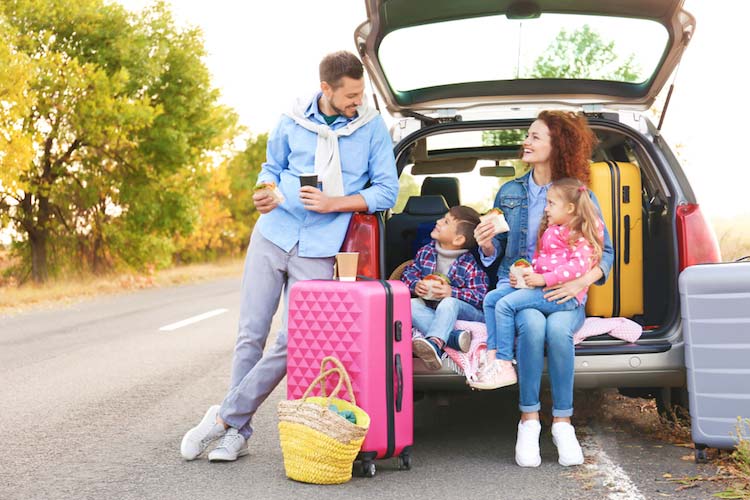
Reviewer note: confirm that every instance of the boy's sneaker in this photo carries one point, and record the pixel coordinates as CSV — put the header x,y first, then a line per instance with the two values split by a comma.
x,y
427,351
495,374
231,446
527,444
197,439
459,340
568,450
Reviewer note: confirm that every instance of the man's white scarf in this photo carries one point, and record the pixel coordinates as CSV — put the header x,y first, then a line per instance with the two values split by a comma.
x,y
327,159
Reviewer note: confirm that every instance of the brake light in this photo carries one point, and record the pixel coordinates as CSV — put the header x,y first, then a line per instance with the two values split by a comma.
x,y
363,236
696,241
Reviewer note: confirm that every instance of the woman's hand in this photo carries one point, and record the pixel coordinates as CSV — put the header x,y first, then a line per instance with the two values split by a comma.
x,y
563,292
484,233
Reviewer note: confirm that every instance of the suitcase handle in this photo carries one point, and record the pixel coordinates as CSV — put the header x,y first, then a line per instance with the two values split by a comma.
x,y
400,383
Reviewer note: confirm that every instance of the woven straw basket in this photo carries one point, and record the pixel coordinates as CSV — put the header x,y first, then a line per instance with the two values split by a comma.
x,y
319,445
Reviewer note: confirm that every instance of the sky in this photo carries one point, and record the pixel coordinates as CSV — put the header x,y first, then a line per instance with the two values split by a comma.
x,y
264,54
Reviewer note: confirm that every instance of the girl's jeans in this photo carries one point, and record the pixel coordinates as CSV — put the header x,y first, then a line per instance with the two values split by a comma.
x,y
502,341
439,322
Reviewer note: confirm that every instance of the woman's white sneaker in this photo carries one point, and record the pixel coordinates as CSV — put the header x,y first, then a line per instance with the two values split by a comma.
x,y
197,439
527,443
568,450
232,446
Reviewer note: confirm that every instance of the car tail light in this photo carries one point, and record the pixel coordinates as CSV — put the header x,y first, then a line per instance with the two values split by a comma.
x,y
696,241
363,236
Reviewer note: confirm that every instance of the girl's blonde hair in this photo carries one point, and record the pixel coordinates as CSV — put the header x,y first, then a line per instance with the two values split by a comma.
x,y
585,221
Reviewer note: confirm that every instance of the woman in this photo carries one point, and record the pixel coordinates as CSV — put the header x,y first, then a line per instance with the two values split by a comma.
x,y
558,145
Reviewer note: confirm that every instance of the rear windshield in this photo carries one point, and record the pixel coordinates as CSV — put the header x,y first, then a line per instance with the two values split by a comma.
x,y
495,48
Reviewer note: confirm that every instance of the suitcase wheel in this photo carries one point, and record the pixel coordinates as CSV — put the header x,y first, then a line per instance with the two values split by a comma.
x,y
404,461
700,455
368,468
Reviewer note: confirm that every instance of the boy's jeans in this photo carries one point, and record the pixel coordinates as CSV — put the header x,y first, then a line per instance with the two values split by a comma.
x,y
439,322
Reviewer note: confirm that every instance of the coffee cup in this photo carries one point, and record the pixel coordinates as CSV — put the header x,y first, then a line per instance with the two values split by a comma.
x,y
308,180
346,265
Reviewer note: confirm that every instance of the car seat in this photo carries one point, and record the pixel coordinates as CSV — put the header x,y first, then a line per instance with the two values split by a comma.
x,y
401,229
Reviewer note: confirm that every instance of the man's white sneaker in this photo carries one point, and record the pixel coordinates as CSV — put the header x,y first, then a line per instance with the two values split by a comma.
x,y
568,450
527,444
231,446
197,439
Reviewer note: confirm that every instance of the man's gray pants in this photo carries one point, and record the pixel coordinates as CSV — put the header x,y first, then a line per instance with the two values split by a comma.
x,y
269,271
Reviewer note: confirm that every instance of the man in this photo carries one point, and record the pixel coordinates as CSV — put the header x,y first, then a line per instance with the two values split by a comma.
x,y
348,146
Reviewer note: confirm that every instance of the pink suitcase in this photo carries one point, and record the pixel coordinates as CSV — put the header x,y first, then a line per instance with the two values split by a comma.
x,y
367,325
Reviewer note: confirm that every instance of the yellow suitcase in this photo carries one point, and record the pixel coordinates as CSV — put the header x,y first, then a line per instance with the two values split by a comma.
x,y
617,186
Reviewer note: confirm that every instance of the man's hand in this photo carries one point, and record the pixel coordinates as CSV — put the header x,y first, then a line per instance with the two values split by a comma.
x,y
563,292
314,200
421,288
264,201
484,233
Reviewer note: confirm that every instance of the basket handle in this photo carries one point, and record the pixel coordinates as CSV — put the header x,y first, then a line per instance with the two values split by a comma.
x,y
343,375
319,380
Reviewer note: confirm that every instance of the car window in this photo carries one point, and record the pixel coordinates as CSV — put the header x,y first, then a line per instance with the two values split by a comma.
x,y
494,48
488,148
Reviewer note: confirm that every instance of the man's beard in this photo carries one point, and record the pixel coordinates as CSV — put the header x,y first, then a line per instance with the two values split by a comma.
x,y
338,110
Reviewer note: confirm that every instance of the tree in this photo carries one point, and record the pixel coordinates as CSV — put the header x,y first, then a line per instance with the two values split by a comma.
x,y
584,54
227,213
121,122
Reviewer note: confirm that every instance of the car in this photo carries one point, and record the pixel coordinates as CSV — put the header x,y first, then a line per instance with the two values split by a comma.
x,y
465,80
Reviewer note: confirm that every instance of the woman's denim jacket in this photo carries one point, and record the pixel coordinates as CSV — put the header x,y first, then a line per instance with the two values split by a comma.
x,y
513,200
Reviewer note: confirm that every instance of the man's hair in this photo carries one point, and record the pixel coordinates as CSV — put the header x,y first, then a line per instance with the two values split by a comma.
x,y
335,66
467,219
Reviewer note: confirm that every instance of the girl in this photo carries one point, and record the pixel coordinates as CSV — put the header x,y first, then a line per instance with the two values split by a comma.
x,y
570,242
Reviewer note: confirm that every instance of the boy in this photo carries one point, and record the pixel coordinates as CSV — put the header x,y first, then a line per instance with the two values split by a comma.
x,y
457,294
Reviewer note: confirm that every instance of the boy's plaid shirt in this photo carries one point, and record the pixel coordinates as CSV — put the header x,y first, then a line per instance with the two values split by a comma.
x,y
468,281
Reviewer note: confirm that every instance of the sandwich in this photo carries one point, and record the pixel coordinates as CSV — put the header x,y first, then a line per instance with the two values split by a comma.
x,y
434,278
518,269
273,189
497,218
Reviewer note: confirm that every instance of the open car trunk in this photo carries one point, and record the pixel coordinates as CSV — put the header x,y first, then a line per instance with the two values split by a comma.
x,y
466,174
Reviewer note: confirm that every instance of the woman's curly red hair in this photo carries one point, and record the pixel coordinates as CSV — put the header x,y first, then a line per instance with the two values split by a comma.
x,y
572,144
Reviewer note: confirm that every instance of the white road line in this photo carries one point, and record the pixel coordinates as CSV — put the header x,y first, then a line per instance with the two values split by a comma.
x,y
194,319
613,477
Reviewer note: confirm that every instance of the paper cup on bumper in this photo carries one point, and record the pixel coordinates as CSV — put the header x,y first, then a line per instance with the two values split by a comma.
x,y
346,265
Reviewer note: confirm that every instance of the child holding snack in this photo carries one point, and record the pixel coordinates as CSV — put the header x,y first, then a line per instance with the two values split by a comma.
x,y
448,284
570,243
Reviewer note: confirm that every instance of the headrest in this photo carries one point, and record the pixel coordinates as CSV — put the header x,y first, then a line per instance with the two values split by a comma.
x,y
446,186
426,205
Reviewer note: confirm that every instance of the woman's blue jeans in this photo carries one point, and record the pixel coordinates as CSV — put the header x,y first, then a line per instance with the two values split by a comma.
x,y
555,332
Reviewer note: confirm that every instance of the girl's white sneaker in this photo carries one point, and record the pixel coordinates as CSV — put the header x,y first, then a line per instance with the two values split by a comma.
x,y
568,450
527,444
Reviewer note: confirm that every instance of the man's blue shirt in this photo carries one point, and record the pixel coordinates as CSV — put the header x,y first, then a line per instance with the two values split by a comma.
x,y
366,156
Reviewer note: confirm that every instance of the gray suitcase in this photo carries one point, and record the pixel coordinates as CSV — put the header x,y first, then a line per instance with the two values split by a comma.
x,y
715,303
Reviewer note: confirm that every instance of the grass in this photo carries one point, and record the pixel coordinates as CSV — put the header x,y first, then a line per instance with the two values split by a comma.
x,y
14,299
734,236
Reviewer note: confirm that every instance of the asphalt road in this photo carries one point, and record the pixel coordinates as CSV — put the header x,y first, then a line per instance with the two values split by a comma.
x,y
95,397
